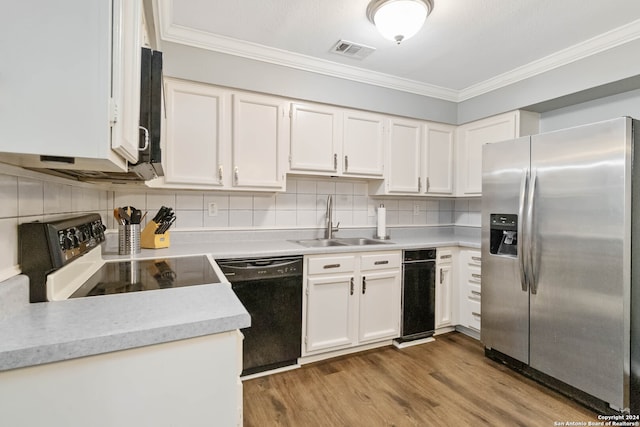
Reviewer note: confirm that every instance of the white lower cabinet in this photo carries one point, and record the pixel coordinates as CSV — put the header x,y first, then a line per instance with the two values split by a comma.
x,y
350,300
470,289
444,306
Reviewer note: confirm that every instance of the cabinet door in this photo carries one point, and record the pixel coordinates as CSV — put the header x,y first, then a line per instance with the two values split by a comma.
x,y
257,141
471,138
194,133
403,156
331,305
379,305
363,144
438,161
126,77
444,296
315,137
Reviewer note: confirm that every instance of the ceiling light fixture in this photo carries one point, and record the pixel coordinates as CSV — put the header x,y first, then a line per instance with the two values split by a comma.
x,y
399,20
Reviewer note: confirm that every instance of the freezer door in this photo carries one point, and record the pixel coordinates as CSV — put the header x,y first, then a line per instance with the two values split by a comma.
x,y
581,257
505,299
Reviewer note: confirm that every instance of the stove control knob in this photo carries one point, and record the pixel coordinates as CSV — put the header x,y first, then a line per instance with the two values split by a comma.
x,y
73,238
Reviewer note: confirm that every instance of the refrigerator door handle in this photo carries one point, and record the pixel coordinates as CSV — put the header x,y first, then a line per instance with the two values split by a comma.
x,y
531,246
524,183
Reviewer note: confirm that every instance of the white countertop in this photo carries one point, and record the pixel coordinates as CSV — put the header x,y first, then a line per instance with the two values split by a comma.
x,y
33,334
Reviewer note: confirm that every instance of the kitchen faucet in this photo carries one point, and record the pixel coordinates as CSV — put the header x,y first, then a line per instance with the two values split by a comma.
x,y
329,228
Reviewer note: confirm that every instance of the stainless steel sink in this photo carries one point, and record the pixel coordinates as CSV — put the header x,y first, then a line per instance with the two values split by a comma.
x,y
344,241
319,243
360,241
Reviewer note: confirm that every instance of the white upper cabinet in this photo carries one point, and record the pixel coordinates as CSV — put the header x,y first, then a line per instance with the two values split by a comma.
x,y
338,142
220,139
363,144
404,147
419,159
194,132
126,77
438,159
259,132
70,84
472,136
315,131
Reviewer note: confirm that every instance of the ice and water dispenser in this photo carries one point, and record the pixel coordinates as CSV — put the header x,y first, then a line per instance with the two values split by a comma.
x,y
504,234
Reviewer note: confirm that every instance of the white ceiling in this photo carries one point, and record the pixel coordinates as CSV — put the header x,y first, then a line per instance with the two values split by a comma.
x,y
466,47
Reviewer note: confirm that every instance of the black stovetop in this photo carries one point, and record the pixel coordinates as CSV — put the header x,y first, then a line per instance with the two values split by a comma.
x,y
117,277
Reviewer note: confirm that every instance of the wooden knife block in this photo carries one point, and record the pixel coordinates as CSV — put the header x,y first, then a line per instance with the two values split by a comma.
x,y
150,240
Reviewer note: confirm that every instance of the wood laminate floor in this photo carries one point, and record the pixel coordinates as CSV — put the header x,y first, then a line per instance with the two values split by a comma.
x,y
448,382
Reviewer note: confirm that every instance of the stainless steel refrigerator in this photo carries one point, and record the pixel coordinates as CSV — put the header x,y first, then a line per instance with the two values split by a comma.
x,y
560,255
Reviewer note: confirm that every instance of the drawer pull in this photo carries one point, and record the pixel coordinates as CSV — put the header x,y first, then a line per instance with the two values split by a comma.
x,y
381,262
364,285
331,266
476,293
351,286
476,275
445,256
476,258
476,314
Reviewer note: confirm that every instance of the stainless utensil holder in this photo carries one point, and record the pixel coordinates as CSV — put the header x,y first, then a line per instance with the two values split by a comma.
x,y
129,239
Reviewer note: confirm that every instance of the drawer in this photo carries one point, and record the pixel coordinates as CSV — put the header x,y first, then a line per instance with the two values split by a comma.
x,y
474,258
474,274
380,261
331,264
474,292
445,256
473,315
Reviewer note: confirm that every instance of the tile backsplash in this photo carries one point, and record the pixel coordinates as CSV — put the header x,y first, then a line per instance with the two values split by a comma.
x,y
302,205
39,197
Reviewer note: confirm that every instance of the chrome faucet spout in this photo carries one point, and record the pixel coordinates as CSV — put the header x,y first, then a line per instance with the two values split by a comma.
x,y
329,228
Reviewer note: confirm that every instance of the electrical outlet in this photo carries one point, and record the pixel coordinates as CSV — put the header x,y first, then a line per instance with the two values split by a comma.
x,y
213,209
416,210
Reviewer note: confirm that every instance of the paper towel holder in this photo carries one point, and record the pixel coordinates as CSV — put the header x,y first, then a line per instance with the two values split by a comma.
x,y
377,236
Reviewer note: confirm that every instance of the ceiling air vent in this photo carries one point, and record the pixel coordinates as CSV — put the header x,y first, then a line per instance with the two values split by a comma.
x,y
352,50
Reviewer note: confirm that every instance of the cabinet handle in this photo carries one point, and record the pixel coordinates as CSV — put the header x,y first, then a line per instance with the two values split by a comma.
x,y
476,314
220,174
146,138
428,185
235,174
445,256
476,275
346,163
381,262
335,162
364,285
419,185
476,293
476,258
331,266
351,283
441,276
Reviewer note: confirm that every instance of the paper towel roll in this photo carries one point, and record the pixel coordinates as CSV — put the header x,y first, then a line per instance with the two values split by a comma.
x,y
382,222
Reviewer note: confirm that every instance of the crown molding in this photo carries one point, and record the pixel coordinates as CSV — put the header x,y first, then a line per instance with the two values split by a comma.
x,y
600,43
195,38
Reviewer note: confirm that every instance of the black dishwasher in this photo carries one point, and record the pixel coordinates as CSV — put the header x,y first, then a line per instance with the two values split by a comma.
x,y
418,294
271,291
